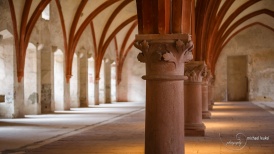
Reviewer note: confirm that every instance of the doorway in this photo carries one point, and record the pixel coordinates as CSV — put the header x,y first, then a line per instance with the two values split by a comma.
x,y
237,81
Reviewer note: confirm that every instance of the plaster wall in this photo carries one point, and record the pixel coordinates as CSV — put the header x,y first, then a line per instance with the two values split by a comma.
x,y
7,78
5,17
257,43
91,79
59,80
132,86
32,103
113,82
74,83
102,84
91,82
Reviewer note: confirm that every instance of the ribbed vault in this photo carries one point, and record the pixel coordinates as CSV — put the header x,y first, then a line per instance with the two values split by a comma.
x,y
216,22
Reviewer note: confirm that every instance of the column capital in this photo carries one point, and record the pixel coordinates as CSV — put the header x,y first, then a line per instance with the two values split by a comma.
x,y
164,54
194,70
207,76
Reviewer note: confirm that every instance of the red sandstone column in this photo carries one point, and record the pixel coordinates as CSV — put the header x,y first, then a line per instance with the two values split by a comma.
x,y
164,56
193,99
205,112
210,93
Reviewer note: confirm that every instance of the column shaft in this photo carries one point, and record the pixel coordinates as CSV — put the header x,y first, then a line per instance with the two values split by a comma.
x,y
164,117
107,70
84,80
210,98
96,92
206,113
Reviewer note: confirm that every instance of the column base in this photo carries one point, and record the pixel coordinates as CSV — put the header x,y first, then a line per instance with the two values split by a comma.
x,y
206,115
195,129
83,105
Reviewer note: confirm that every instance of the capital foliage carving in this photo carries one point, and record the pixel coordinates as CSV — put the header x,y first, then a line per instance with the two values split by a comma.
x,y
165,51
195,70
207,77
164,54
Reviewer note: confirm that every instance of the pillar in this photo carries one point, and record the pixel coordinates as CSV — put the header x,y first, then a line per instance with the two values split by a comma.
x,y
32,81
206,113
121,86
164,56
193,99
96,91
75,82
18,99
107,79
67,96
91,81
83,79
47,86
66,91
210,93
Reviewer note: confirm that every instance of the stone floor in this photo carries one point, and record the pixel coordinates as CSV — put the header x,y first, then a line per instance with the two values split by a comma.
x,y
235,127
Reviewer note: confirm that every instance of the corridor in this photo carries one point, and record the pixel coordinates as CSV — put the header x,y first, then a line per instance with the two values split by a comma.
x,y
235,127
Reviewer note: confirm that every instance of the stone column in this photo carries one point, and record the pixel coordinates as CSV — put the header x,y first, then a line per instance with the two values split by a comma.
x,y
47,105
205,111
84,79
75,82
96,92
66,91
38,78
193,99
18,99
122,87
107,78
210,93
164,56
67,96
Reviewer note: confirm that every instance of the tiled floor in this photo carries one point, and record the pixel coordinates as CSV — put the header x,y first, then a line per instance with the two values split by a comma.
x,y
235,127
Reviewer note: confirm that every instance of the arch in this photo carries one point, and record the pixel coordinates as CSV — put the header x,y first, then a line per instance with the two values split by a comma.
x,y
77,35
101,54
218,31
62,25
121,56
233,35
220,41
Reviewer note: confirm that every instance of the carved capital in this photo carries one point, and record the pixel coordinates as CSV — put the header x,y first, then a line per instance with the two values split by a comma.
x,y
164,54
207,77
194,70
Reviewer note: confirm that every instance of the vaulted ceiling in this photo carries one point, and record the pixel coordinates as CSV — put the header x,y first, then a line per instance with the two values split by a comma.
x,y
216,22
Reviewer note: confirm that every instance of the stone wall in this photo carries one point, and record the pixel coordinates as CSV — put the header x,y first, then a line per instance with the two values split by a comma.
x,y
257,43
